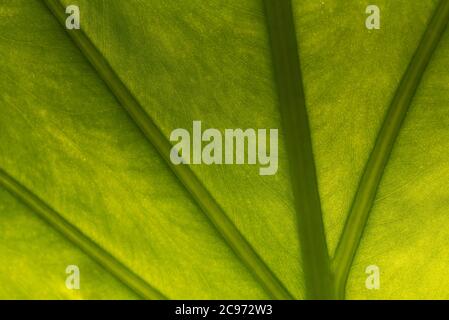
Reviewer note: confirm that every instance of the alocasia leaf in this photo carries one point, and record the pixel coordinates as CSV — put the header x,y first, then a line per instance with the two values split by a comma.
x,y
86,177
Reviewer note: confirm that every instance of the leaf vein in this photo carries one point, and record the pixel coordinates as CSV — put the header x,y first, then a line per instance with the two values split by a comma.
x,y
73,234
232,236
293,110
374,169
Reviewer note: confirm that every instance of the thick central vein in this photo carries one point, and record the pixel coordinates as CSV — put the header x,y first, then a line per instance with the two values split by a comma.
x,y
383,147
70,232
236,241
299,146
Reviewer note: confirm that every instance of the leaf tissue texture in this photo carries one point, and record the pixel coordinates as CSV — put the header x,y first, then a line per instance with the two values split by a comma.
x,y
86,178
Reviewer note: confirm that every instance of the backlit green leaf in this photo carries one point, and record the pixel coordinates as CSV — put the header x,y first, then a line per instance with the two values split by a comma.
x,y
85,171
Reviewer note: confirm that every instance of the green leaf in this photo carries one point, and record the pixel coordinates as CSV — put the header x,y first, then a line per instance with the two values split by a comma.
x,y
86,178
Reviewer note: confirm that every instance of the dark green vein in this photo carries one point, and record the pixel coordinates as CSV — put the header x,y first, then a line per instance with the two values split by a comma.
x,y
284,46
374,169
70,232
199,193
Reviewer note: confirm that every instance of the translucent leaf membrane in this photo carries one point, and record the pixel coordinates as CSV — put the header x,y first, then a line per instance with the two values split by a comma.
x,y
65,138
35,258
350,77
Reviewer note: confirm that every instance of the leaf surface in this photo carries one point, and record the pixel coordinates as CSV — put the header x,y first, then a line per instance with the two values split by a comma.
x,y
68,139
